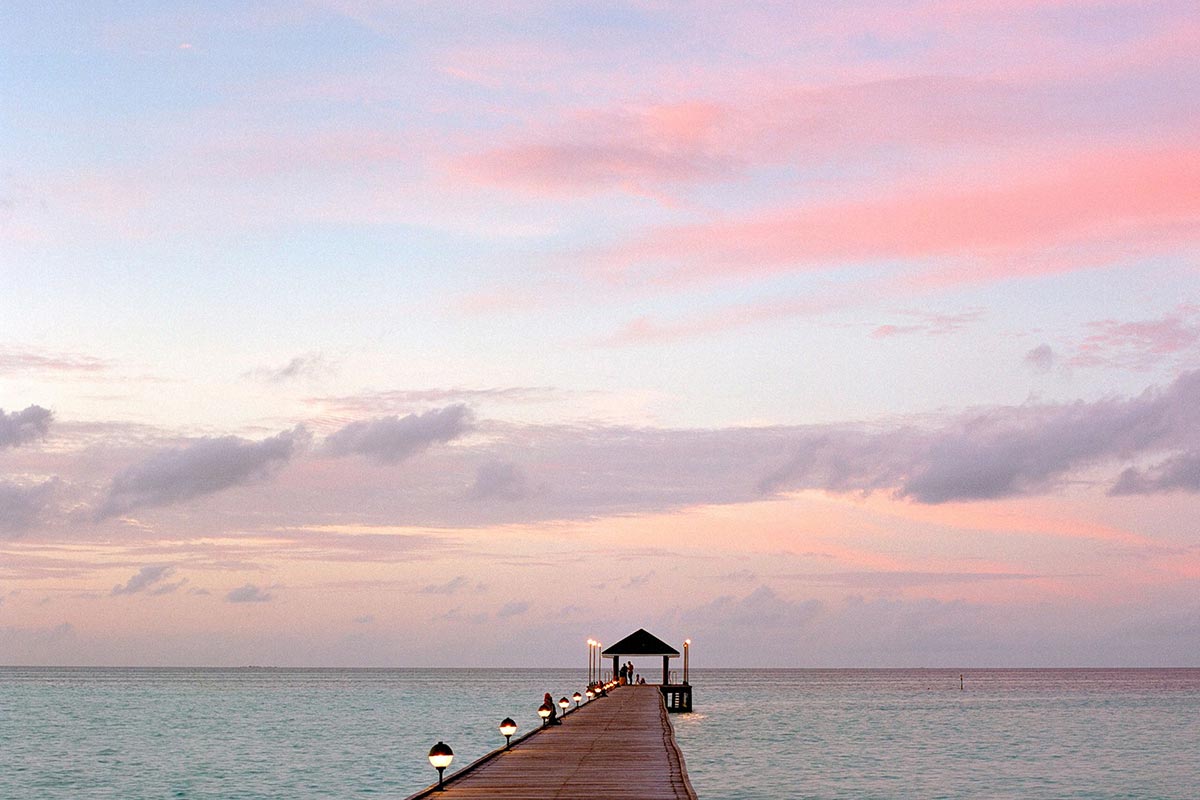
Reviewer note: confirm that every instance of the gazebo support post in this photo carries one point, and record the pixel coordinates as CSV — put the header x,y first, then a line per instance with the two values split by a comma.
x,y
666,673
616,667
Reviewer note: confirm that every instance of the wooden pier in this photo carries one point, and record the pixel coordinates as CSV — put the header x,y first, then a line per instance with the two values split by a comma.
x,y
619,747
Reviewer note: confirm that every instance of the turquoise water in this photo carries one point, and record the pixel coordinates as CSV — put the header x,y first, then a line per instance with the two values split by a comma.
x,y
301,734
913,734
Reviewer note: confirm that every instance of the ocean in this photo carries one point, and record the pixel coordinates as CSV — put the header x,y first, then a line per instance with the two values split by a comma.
x,y
340,733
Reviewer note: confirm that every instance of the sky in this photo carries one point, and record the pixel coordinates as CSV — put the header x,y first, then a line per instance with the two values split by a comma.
x,y
363,333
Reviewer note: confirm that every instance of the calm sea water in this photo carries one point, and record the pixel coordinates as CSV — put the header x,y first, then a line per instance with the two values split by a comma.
x,y
301,734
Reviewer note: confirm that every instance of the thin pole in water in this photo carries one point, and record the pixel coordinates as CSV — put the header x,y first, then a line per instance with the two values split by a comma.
x,y
960,682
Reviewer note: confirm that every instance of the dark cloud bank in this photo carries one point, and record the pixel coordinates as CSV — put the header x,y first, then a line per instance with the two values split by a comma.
x,y
987,454
1144,444
1138,445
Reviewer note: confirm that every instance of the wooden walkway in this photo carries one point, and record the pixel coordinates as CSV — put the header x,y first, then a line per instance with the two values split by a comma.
x,y
619,747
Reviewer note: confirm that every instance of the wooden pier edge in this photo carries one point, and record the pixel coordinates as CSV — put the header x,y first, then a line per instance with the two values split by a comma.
x,y
674,747
674,753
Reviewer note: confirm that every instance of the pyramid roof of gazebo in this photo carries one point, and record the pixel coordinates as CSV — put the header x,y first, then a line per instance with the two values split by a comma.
x,y
640,643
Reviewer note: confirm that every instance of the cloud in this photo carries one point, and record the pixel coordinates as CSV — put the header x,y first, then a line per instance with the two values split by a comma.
x,y
602,470
644,330
458,615
897,579
502,480
1178,473
739,576
248,594
1000,452
12,360
513,609
647,148
985,453
858,631
638,581
24,636
1041,358
311,365
452,586
929,324
365,619
631,148
148,577
201,468
22,507
390,440
1084,210
21,427
761,608
1139,344
389,401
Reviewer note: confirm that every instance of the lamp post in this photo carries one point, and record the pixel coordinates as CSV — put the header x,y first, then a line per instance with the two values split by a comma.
x,y
507,728
564,704
687,644
577,697
593,661
590,694
544,711
440,756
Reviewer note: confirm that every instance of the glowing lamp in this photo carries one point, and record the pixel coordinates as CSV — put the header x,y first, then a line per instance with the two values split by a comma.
x,y
577,697
440,756
507,728
564,704
544,711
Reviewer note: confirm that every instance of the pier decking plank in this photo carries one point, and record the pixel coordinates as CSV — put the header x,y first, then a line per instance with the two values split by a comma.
x,y
618,747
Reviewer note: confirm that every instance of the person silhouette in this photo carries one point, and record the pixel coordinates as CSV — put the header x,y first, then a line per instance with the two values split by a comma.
x,y
553,719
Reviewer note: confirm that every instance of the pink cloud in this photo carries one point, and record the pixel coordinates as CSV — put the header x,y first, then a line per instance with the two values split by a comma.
x,y
645,330
35,360
649,147
633,148
1139,344
929,324
1040,218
